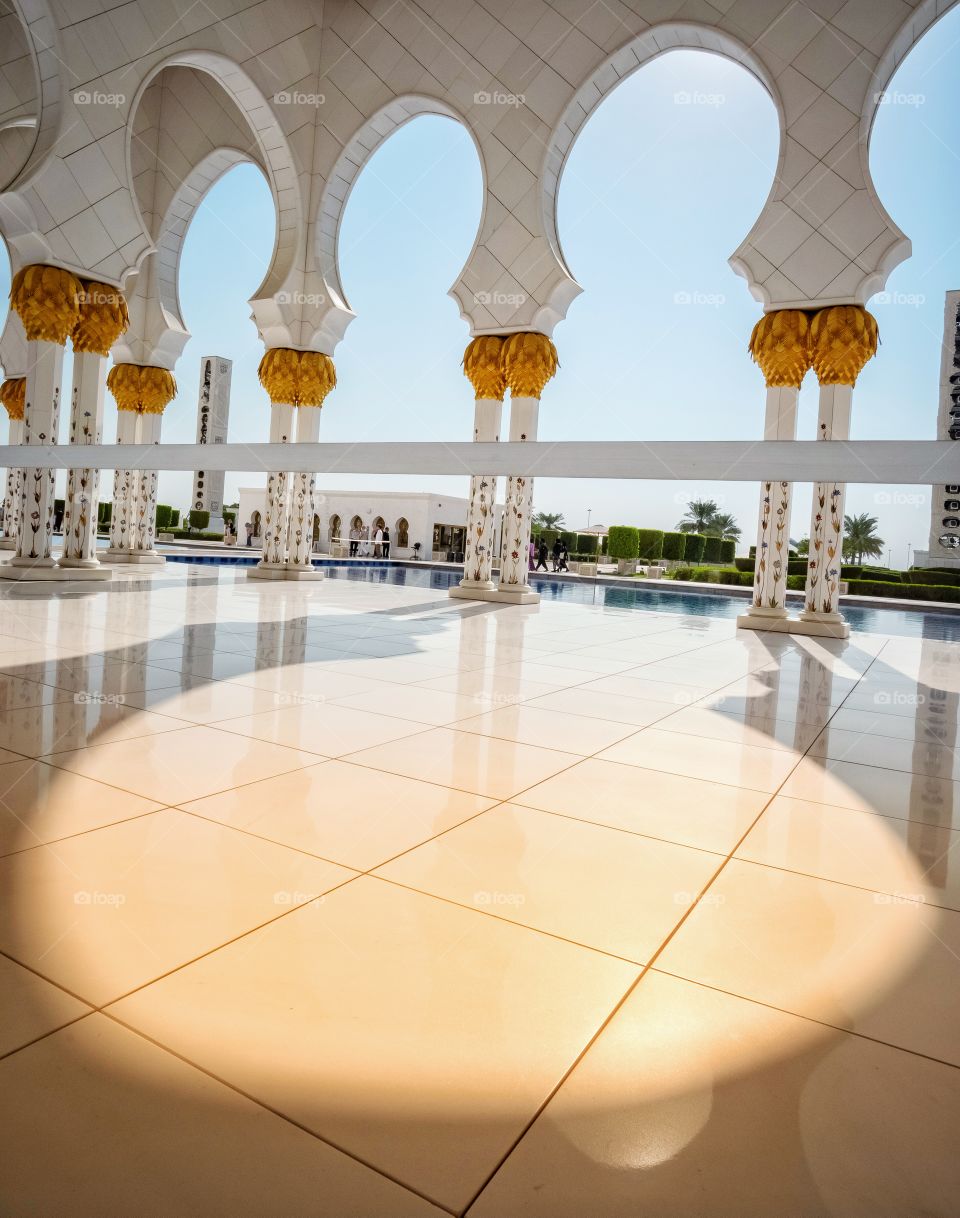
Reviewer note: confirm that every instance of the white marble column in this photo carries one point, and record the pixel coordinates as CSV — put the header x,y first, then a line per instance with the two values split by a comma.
x,y
518,509
144,517
12,488
481,514
41,420
300,537
773,529
83,485
276,515
822,593
124,492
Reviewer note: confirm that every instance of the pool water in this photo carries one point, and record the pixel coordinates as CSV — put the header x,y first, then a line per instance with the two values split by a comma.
x,y
906,623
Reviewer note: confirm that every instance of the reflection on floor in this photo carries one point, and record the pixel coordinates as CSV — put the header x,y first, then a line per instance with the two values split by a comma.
x,y
349,899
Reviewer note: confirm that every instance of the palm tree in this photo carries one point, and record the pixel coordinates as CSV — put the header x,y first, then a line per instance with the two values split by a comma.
x,y
723,525
548,520
859,540
700,513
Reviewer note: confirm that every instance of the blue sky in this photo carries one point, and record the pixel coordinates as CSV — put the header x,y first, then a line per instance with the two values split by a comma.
x,y
655,197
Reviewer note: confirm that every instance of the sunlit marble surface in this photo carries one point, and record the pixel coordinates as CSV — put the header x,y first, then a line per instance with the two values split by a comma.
x,y
350,899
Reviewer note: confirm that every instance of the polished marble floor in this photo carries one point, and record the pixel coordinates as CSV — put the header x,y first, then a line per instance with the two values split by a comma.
x,y
349,899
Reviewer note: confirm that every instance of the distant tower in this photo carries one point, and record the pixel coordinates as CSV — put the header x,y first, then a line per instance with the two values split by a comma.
x,y
944,548
213,412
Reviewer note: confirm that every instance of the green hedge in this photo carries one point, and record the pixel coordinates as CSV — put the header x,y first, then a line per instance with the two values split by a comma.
x,y
745,564
947,579
694,549
797,583
728,550
104,513
715,575
587,543
711,550
164,516
650,544
674,546
912,592
797,566
623,541
683,573
186,535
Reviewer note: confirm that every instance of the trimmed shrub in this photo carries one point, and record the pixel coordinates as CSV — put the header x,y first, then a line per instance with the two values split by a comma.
x,y
569,539
694,548
728,550
549,536
711,549
683,573
199,519
650,544
623,541
796,566
796,583
174,517
674,546
164,511
604,543
752,552
745,564
913,592
587,543
948,579
104,513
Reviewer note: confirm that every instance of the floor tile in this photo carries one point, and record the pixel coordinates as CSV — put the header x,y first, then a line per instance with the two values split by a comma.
x,y
670,806
693,1102
417,1035
615,708
481,764
741,729
31,1007
109,910
883,853
720,761
523,865
914,797
15,692
415,702
347,813
181,765
674,693
854,959
39,803
581,734
140,1132
325,728
913,756
202,702
36,730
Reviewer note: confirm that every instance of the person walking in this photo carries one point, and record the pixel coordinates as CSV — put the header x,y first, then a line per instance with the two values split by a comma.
x,y
385,542
557,547
365,542
378,542
249,528
354,541
562,558
542,557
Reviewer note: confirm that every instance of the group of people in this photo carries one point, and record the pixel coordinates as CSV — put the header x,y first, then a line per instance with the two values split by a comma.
x,y
361,542
539,555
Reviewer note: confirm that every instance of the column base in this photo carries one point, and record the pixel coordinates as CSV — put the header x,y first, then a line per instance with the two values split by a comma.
x,y
8,543
520,596
467,587
829,625
48,574
794,625
144,558
79,564
276,571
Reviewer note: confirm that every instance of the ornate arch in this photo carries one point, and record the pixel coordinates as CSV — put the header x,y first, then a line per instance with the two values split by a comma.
x,y
637,53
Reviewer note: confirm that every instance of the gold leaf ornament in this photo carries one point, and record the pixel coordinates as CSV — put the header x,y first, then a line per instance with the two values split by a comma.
x,y
13,395
47,299
316,376
780,344
142,388
843,339
483,367
103,318
529,361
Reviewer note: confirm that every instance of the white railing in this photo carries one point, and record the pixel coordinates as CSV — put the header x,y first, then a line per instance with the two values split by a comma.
x,y
856,461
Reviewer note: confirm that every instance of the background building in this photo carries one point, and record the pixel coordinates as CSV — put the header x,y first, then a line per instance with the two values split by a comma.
x,y
213,413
